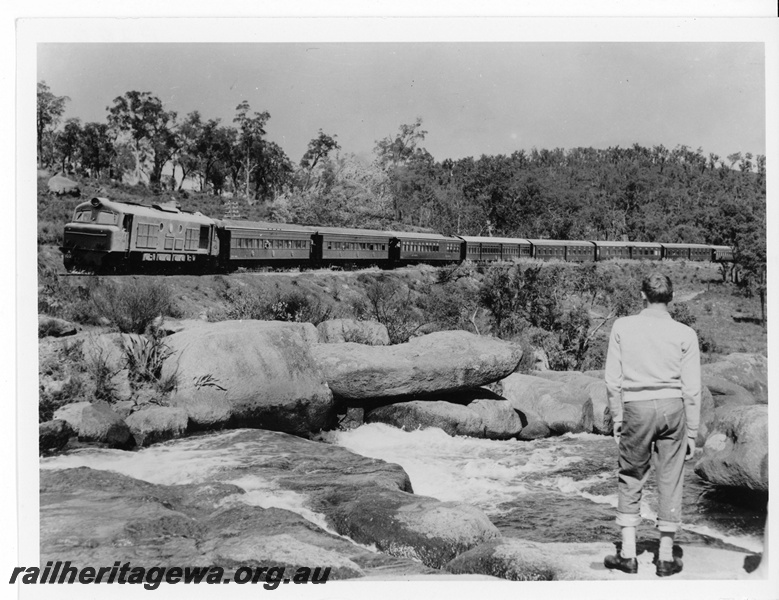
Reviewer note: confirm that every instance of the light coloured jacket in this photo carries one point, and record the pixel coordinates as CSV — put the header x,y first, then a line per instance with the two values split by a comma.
x,y
652,356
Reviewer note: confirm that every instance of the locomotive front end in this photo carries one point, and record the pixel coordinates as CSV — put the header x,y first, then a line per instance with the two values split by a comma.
x,y
94,237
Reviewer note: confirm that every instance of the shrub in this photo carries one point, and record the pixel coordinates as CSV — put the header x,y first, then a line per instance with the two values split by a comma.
x,y
295,306
244,304
144,357
680,312
102,377
451,306
389,302
134,305
66,365
300,308
50,232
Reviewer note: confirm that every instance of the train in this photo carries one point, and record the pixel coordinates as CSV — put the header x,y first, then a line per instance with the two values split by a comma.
x,y
108,236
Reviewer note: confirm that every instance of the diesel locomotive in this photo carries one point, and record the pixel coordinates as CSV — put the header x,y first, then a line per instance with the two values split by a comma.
x,y
111,236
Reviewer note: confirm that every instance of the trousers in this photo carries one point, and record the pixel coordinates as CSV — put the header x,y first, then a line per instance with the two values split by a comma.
x,y
652,431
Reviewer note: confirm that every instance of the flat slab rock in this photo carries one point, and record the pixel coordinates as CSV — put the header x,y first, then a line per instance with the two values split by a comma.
x,y
446,361
367,500
92,517
521,560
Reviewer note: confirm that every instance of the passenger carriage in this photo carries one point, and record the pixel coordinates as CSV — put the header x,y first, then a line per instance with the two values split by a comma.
x,y
572,251
609,250
696,252
491,249
259,243
429,248
645,250
721,254
350,247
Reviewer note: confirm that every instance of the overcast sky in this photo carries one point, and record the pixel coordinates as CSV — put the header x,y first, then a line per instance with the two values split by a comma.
x,y
474,98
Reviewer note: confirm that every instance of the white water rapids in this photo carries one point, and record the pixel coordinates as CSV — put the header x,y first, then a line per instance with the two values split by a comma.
x,y
527,488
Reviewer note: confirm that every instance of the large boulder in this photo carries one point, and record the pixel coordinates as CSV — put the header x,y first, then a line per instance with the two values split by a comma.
x,y
586,386
442,362
417,527
62,186
307,331
750,371
249,374
727,394
53,435
454,419
96,423
483,418
552,403
708,416
157,424
499,419
534,430
53,327
336,331
736,452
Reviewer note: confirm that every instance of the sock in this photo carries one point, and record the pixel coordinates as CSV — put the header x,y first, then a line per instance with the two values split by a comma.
x,y
628,542
666,546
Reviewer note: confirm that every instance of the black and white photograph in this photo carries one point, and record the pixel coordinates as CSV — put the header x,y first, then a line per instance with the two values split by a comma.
x,y
429,305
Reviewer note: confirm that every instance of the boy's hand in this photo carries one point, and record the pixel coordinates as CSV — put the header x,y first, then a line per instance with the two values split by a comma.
x,y
690,448
617,432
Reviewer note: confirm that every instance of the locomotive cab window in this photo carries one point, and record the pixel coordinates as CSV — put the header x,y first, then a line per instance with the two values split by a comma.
x,y
105,217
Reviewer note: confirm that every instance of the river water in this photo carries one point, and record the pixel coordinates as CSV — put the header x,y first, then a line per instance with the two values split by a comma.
x,y
555,489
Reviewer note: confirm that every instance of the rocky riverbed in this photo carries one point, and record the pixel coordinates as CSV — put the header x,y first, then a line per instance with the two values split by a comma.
x,y
265,450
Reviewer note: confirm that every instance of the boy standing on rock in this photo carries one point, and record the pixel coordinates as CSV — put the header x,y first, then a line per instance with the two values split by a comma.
x,y
653,381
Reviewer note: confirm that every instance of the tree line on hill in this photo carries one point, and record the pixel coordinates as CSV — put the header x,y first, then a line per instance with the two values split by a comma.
x,y
636,193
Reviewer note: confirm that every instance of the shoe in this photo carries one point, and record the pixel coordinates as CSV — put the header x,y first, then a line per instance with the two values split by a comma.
x,y
668,567
626,565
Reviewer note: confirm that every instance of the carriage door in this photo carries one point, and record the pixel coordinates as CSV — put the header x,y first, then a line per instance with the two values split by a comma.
x,y
394,250
127,227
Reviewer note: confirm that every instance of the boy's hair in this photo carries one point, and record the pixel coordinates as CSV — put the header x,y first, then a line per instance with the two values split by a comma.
x,y
658,288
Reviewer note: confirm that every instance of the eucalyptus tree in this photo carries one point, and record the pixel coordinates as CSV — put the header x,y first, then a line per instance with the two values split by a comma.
x,y
50,109
150,129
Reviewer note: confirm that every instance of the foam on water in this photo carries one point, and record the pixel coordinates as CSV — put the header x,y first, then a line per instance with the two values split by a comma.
x,y
182,462
489,473
486,473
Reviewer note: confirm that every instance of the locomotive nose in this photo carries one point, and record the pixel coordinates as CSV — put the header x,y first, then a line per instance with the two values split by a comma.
x,y
86,246
85,237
